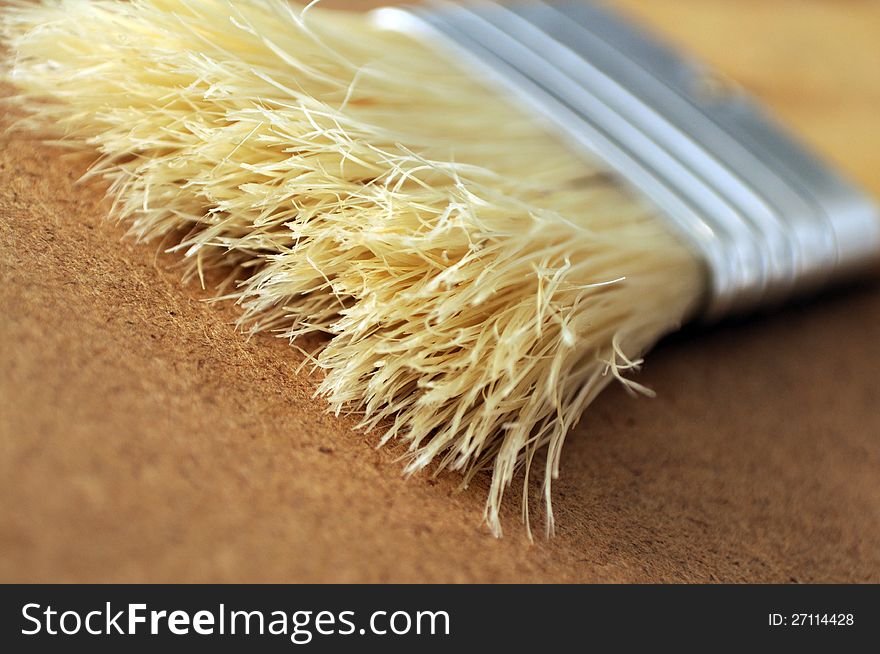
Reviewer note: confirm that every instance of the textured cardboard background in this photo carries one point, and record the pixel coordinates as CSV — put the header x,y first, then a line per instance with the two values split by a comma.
x,y
143,439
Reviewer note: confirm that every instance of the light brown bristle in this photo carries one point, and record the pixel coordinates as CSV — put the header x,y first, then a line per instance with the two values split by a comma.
x,y
480,282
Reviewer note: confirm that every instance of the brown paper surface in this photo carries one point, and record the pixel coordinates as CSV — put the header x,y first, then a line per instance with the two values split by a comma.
x,y
143,439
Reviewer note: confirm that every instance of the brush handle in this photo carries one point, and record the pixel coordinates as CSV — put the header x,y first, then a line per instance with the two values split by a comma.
x,y
769,218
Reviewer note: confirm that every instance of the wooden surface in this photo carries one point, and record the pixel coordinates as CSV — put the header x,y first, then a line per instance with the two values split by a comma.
x,y
814,63
143,439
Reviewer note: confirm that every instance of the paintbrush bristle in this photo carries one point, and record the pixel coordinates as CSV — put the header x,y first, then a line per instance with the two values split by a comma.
x,y
480,282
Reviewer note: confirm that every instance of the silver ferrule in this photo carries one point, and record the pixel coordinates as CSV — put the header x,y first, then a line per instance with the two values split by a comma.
x,y
767,216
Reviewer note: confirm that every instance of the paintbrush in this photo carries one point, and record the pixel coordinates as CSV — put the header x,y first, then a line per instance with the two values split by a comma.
x,y
488,212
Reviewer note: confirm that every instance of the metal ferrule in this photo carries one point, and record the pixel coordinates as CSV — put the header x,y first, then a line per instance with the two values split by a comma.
x,y
769,218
